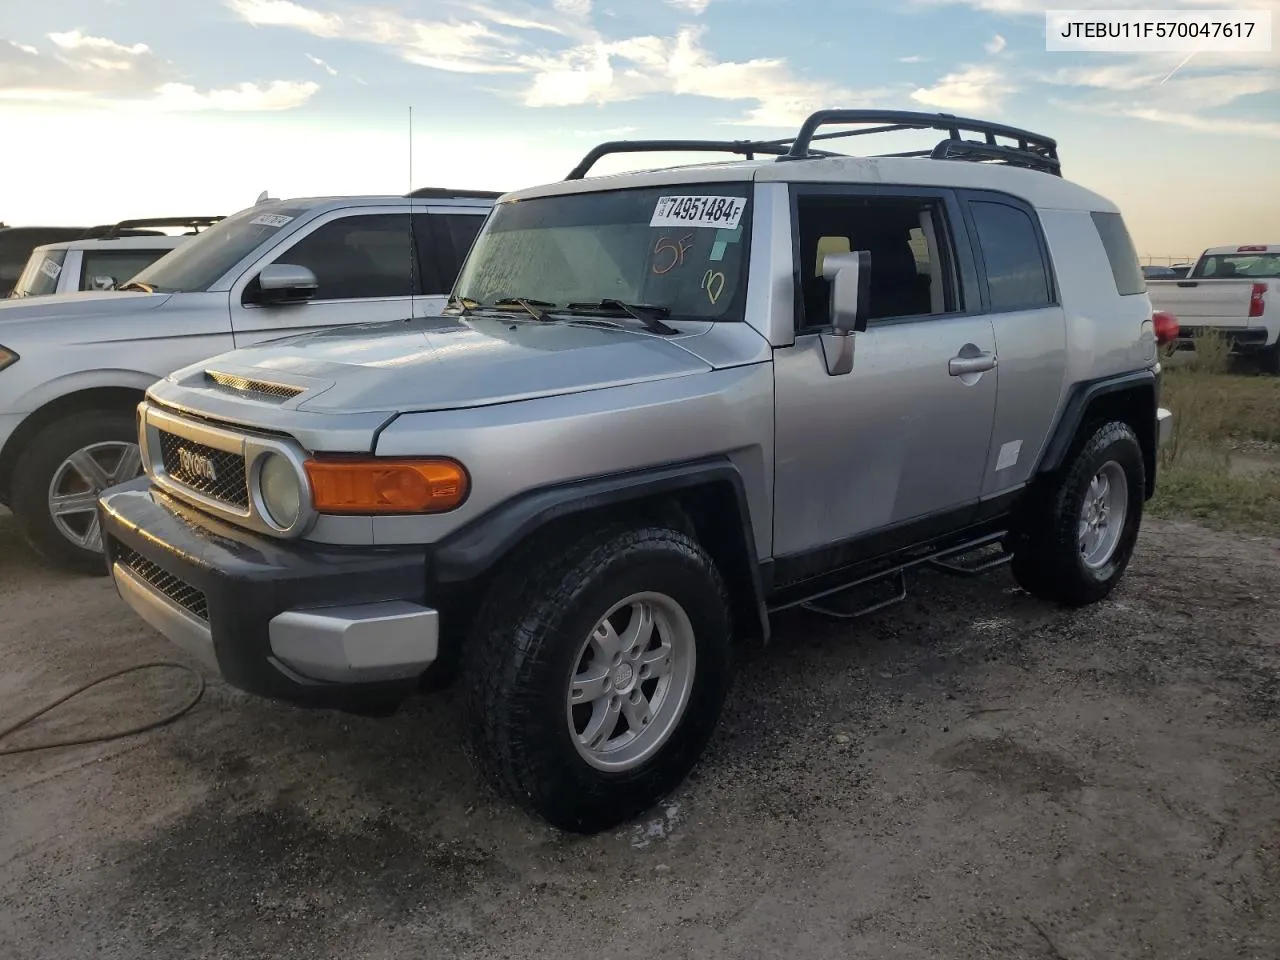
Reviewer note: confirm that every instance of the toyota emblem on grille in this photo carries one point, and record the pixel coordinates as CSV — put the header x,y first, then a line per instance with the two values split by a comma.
x,y
197,465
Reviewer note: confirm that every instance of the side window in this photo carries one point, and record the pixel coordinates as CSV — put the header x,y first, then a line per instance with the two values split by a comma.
x,y
1126,270
452,237
1010,245
119,265
358,257
907,237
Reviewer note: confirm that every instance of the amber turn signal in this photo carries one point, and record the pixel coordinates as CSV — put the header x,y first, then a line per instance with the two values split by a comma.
x,y
368,485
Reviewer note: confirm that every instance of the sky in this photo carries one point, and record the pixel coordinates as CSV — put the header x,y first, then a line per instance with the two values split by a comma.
x,y
130,108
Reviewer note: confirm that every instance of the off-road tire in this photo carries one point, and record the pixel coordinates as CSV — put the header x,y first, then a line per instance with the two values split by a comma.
x,y
1046,556
35,469
522,650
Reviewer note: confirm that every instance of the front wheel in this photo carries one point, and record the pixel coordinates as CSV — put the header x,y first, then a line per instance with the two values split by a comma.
x,y
57,481
1080,536
596,674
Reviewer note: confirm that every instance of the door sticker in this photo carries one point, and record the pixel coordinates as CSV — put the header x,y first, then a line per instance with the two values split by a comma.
x,y
1008,454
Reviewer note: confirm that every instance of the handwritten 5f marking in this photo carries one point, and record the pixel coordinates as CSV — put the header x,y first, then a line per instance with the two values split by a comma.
x,y
675,248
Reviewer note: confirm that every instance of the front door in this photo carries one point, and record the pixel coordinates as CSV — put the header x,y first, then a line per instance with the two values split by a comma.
x,y
365,263
905,435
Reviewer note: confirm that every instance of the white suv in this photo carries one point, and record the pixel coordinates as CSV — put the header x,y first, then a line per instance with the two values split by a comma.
x,y
73,367
105,262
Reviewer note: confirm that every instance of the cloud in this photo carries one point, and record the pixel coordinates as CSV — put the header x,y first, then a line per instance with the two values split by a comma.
x,y
996,44
588,70
97,71
243,97
322,65
973,88
696,7
914,58
575,8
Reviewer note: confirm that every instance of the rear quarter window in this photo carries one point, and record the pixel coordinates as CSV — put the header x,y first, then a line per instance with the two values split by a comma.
x,y
1126,271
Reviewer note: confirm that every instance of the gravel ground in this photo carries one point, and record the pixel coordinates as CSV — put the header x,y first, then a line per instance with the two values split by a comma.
x,y
971,774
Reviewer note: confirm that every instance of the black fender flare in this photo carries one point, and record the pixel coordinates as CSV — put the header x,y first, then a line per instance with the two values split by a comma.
x,y
1077,405
468,553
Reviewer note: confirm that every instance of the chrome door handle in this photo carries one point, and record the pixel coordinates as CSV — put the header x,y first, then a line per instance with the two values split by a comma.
x,y
959,366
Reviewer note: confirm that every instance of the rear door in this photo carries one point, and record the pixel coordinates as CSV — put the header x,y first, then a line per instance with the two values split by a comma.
x,y
445,235
117,266
365,261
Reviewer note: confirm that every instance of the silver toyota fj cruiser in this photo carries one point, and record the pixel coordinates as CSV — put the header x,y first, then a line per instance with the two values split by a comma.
x,y
659,407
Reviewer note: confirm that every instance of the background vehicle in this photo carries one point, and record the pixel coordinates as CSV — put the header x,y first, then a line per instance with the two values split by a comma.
x,y
1175,272
16,244
101,263
660,407
1234,290
74,366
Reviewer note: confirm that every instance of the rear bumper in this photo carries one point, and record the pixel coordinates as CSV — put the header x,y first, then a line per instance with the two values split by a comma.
x,y
315,625
1241,339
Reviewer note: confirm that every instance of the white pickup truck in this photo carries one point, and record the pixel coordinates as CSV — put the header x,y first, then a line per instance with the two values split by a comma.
x,y
1234,290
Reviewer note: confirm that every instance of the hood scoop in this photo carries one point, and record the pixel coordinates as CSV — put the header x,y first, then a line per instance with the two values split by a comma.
x,y
232,383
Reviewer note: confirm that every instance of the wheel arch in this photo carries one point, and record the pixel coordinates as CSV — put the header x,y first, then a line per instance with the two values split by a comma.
x,y
123,398
705,499
1130,397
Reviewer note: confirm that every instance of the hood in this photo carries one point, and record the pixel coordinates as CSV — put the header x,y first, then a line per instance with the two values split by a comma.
x,y
71,306
441,363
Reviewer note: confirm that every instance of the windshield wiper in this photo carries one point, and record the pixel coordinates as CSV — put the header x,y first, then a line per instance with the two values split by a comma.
x,y
135,285
466,304
648,314
528,304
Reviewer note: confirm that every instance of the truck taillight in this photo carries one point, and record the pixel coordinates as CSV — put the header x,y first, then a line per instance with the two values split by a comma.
x,y
1166,326
1256,305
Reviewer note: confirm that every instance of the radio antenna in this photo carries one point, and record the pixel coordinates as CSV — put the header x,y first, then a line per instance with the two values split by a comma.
x,y
413,273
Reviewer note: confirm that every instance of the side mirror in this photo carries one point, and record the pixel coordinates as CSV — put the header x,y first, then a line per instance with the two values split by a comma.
x,y
102,283
850,277
286,283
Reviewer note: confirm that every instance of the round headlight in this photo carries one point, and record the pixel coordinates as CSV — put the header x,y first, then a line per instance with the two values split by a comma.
x,y
281,490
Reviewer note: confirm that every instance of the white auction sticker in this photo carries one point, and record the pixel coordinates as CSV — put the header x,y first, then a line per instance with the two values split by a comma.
x,y
721,212
1159,31
50,268
271,220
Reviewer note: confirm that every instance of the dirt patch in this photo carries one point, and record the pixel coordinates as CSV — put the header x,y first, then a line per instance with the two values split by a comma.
x,y
972,774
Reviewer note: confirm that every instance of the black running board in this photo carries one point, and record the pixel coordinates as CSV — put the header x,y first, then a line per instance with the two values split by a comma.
x,y
943,560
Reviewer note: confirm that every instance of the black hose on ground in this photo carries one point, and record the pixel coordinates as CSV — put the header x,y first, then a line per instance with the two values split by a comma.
x,y
115,735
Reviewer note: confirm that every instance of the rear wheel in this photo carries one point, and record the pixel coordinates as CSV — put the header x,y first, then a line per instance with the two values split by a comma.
x,y
595,681
1080,535
57,481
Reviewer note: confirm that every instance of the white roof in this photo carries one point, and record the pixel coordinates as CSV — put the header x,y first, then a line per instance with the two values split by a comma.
x,y
1042,190
1243,248
118,243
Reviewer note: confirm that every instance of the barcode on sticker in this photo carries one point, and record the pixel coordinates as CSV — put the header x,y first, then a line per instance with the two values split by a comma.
x,y
721,212
271,220
50,268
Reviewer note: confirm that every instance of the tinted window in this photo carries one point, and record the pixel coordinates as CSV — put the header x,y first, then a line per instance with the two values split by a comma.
x,y
357,257
1010,244
1125,270
910,273
1226,266
460,230
119,265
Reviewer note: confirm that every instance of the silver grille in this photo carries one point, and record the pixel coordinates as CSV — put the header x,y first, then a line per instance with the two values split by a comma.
x,y
183,594
215,473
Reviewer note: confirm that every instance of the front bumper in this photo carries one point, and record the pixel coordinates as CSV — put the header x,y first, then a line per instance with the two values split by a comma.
x,y
316,625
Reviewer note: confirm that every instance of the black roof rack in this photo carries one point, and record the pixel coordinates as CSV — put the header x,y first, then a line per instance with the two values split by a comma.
x,y
444,193
126,228
1031,150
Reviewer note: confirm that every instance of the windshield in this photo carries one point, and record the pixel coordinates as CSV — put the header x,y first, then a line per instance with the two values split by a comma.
x,y
1243,265
679,247
40,276
202,260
